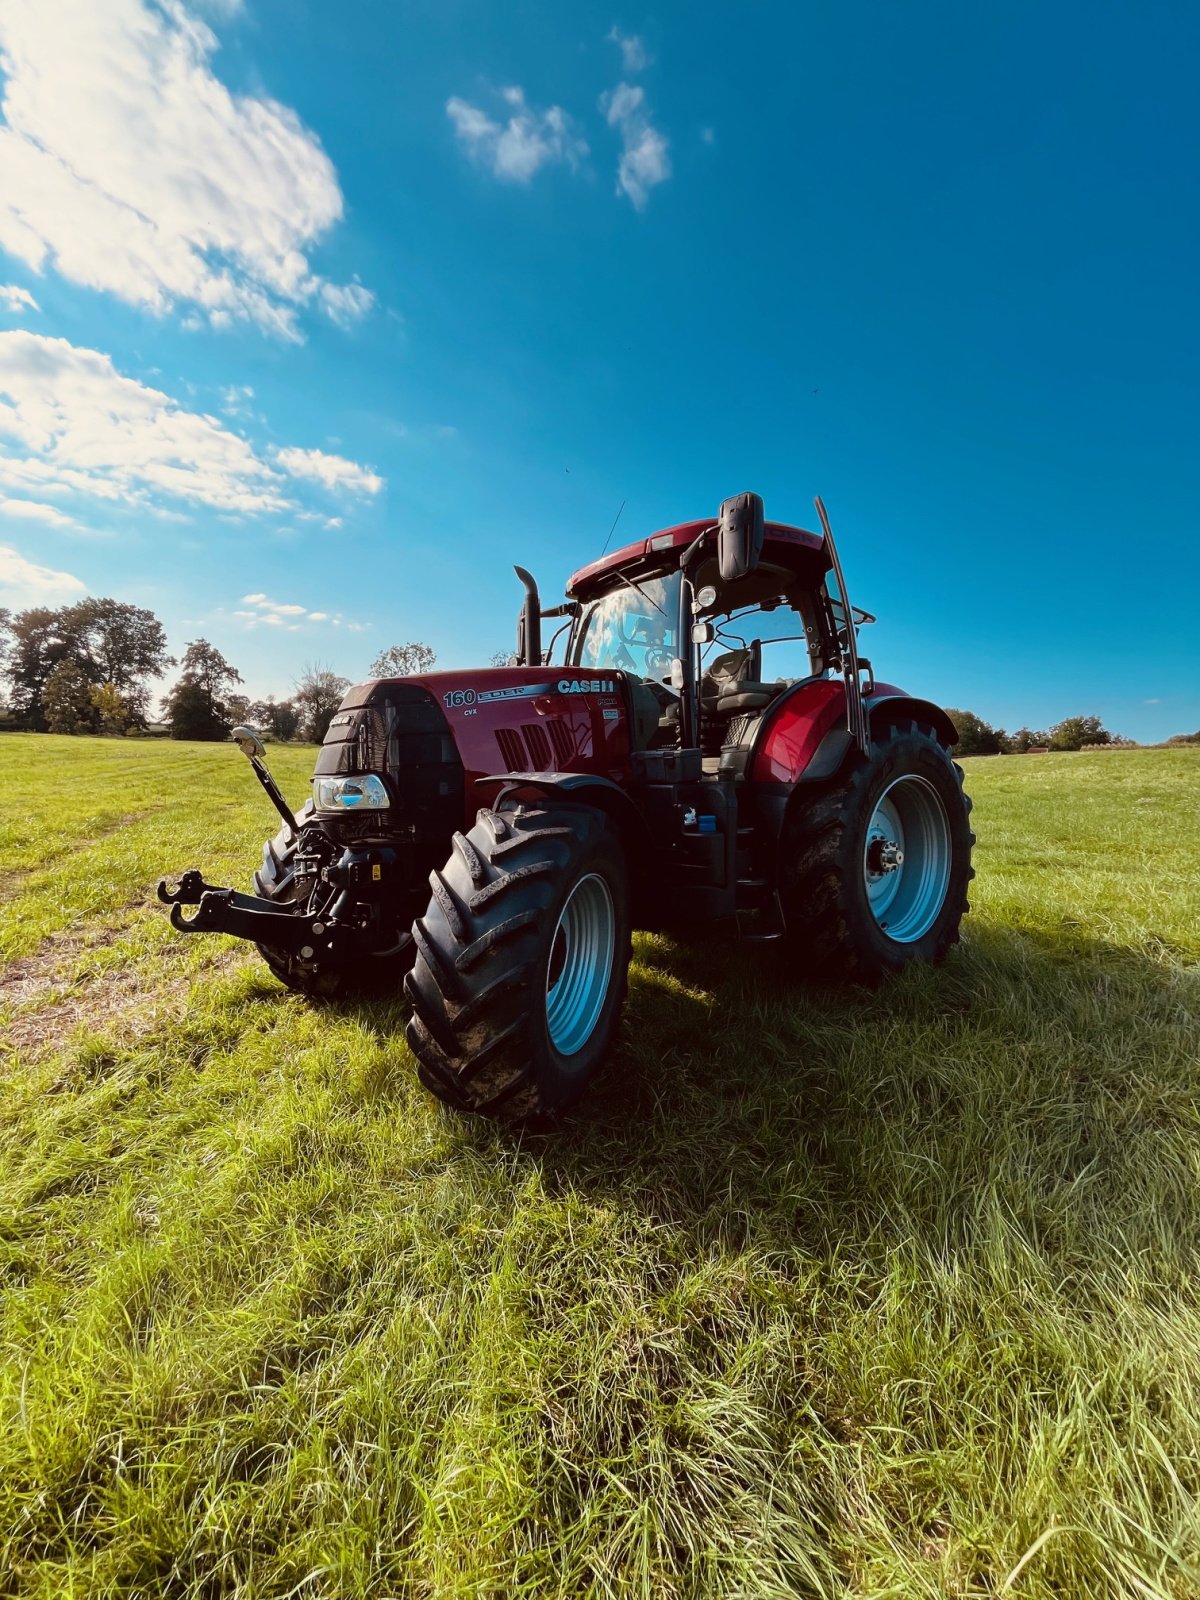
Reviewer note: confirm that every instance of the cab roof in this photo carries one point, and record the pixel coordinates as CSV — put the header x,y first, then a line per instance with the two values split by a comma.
x,y
781,545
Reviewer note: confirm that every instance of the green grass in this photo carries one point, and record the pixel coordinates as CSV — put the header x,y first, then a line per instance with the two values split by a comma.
x,y
885,1294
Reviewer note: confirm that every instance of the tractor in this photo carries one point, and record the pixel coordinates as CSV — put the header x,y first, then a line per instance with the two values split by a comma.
x,y
489,838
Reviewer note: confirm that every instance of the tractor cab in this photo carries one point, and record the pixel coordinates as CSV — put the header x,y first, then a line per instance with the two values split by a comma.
x,y
710,627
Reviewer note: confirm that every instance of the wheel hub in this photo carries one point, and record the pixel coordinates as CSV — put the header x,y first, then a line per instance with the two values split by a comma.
x,y
883,855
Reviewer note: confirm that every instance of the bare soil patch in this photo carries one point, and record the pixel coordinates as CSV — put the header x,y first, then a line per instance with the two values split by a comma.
x,y
46,1002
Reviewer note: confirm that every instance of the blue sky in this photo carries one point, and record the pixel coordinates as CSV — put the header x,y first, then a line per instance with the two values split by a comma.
x,y
347,309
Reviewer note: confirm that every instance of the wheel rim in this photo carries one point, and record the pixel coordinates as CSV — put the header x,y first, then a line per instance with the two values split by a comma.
x,y
906,859
580,965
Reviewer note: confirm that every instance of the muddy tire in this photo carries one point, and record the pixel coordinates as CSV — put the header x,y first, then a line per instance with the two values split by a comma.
x,y
522,961
276,880
874,868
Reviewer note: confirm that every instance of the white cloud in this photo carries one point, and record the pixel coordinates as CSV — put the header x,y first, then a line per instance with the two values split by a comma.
x,y
235,399
128,166
345,303
15,299
335,472
80,426
644,162
25,583
272,614
634,56
521,146
35,511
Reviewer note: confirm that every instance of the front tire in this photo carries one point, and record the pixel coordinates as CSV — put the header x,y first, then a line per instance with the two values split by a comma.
x,y
522,961
874,868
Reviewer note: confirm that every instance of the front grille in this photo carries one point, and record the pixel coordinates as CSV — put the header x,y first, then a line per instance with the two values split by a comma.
x,y
512,751
538,746
563,741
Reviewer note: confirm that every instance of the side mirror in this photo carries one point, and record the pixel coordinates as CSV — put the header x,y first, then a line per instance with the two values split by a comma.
x,y
739,536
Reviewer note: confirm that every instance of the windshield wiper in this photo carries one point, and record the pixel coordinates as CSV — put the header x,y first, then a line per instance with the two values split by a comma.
x,y
637,588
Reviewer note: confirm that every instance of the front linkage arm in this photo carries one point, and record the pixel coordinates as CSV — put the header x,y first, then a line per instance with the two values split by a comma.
x,y
246,916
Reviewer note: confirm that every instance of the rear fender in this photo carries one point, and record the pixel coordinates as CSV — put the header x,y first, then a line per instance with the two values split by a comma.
x,y
795,729
886,709
804,738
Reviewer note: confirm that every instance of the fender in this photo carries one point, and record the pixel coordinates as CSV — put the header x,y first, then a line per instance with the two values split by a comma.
x,y
795,727
884,709
594,790
803,737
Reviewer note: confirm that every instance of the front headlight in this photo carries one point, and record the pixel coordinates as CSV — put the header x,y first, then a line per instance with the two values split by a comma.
x,y
365,793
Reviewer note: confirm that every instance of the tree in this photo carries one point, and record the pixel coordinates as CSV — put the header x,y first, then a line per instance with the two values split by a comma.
x,y
279,718
319,692
403,660
975,736
67,700
109,641
1072,733
502,658
196,707
36,646
111,708
190,713
118,644
237,709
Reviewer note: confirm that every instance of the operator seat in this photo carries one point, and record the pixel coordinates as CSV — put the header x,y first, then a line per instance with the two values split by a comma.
x,y
732,683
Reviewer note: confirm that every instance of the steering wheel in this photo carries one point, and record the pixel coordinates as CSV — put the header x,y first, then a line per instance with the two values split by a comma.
x,y
630,635
658,662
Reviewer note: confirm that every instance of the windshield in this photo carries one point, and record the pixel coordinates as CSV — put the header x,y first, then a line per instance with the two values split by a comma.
x,y
635,632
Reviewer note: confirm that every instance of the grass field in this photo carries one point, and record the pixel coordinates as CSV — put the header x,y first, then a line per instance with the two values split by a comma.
x,y
887,1294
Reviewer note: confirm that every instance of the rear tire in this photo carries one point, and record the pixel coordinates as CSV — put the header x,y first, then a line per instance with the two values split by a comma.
x,y
874,868
522,962
275,880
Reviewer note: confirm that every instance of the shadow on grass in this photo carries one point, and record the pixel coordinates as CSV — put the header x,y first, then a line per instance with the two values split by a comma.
x,y
1032,1075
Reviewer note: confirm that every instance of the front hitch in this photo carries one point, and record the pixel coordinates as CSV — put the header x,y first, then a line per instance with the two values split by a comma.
x,y
246,916
191,887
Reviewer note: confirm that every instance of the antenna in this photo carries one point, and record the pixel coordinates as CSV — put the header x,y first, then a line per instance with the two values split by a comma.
x,y
615,520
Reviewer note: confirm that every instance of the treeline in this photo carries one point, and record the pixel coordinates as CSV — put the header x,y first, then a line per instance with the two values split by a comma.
x,y
90,668
978,738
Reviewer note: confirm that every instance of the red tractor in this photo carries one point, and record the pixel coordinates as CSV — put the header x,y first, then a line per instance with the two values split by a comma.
x,y
491,837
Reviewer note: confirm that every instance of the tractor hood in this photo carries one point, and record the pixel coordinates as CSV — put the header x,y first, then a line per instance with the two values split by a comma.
x,y
431,738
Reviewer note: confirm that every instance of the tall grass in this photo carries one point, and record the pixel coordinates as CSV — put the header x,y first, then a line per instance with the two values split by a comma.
x,y
866,1294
